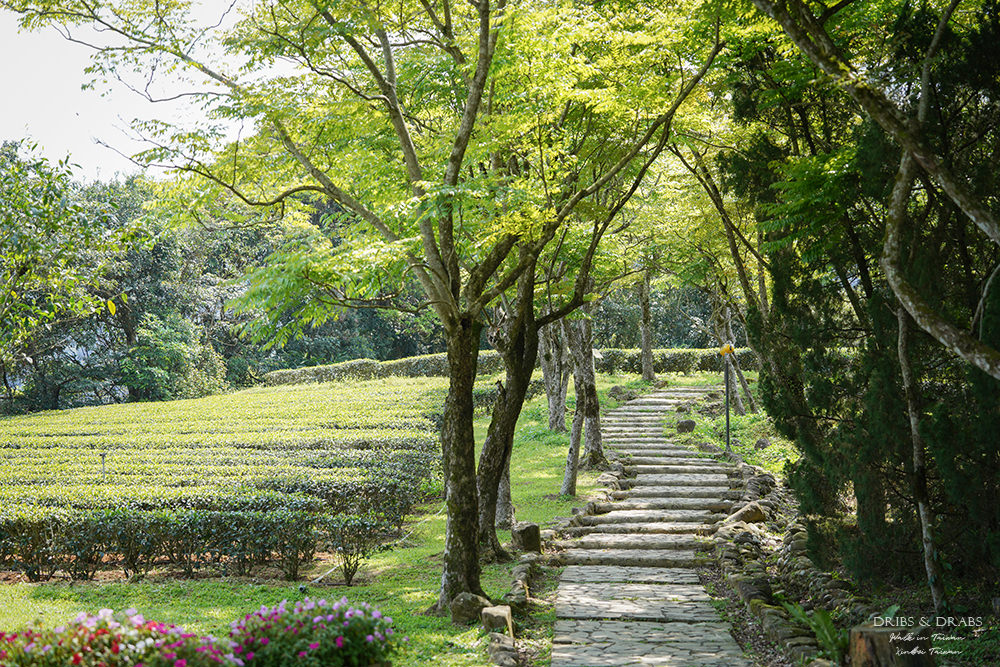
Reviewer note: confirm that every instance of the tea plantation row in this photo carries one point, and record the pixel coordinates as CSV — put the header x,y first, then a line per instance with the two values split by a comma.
x,y
234,482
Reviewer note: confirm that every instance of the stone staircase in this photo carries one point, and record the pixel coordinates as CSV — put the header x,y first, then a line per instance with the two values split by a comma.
x,y
630,594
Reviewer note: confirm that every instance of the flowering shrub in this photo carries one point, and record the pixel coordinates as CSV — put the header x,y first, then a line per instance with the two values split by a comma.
x,y
315,633
114,640
310,633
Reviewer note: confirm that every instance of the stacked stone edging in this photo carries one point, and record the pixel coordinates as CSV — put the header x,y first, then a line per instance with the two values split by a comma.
x,y
741,549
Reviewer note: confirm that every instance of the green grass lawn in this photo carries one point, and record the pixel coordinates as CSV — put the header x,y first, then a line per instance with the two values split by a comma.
x,y
402,582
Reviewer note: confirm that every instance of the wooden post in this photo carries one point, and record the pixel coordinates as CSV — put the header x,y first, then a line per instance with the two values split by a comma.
x,y
873,646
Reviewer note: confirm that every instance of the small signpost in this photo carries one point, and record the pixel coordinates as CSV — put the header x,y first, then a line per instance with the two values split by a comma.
x,y
727,349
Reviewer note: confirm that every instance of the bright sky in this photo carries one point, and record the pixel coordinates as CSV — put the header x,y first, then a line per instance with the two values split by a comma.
x,y
41,78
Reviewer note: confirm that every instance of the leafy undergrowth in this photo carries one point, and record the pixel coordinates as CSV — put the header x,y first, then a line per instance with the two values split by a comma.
x,y
746,431
402,582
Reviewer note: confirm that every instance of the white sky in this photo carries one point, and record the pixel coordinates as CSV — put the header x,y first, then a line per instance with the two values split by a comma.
x,y
40,79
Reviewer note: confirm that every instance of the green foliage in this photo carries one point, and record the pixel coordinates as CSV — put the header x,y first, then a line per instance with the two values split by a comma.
x,y
611,361
833,641
354,539
745,432
41,542
617,319
670,361
168,361
230,482
48,246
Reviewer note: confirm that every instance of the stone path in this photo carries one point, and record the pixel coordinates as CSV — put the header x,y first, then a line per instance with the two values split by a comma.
x,y
630,594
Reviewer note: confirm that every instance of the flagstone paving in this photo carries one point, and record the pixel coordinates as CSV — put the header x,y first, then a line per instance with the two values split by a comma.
x,y
630,594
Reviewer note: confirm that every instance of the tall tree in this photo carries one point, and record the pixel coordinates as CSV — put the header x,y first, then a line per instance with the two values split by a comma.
x,y
418,119
49,249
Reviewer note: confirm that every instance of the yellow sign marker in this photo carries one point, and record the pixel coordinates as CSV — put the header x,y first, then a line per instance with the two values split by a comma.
x,y
727,349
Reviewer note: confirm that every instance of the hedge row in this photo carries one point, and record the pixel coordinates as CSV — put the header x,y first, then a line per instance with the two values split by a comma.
x,y
41,542
676,360
611,360
427,365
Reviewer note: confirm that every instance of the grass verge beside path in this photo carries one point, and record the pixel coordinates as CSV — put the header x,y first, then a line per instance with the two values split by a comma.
x,y
402,582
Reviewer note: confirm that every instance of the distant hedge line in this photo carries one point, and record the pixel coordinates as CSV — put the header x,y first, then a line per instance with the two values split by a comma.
x,y
673,360
611,360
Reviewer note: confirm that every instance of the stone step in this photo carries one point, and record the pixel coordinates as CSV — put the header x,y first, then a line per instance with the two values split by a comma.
x,y
633,557
662,469
650,516
666,459
662,456
705,504
637,434
636,575
648,542
647,440
627,643
679,479
657,445
655,527
640,442
652,602
640,417
713,492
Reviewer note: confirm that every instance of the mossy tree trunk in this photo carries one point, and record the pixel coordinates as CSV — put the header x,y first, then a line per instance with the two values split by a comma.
x,y
517,342
461,551
580,335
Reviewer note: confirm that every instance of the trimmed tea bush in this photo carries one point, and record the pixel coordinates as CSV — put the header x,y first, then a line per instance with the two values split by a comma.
x,y
354,539
230,482
41,542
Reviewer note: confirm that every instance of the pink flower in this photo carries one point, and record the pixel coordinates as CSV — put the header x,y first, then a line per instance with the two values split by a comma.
x,y
340,642
314,646
181,663
265,641
249,655
302,654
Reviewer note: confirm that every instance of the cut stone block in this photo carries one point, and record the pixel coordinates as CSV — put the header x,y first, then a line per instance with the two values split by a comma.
x,y
527,537
498,619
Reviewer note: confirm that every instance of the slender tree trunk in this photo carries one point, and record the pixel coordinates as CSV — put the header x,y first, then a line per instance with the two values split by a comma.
x,y
734,393
461,551
505,504
924,512
579,333
573,457
494,461
517,342
6,383
555,372
730,337
646,329
723,333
